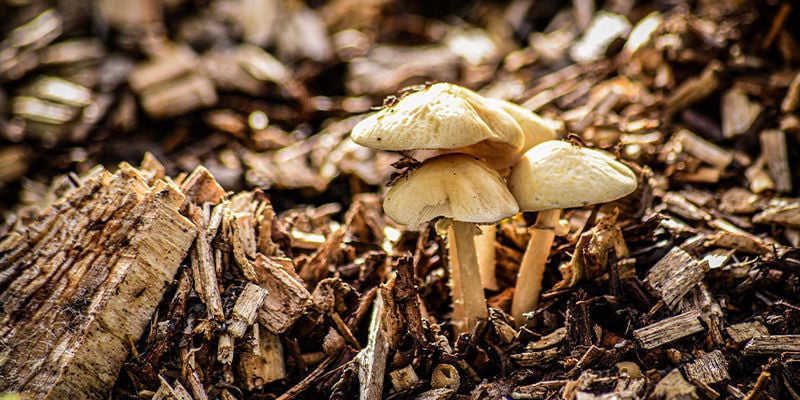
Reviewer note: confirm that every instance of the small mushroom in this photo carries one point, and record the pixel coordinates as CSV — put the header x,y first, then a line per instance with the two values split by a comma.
x,y
464,191
549,177
535,130
445,118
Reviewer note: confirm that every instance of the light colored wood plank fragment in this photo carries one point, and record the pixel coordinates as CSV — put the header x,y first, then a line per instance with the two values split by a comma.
x,y
104,255
669,330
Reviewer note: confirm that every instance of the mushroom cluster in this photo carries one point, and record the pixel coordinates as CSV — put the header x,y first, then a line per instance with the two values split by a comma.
x,y
468,145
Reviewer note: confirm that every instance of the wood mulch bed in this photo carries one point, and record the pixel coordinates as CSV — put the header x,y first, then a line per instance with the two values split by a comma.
x,y
184,215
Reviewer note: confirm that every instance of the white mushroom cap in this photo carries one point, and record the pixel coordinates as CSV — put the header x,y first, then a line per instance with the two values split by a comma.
x,y
454,186
535,129
442,116
556,174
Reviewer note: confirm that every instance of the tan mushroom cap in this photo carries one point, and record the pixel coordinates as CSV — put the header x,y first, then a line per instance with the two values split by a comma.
x,y
455,186
557,174
440,117
535,129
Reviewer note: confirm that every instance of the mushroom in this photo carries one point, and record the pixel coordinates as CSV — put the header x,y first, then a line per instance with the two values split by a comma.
x,y
464,191
445,118
535,130
549,177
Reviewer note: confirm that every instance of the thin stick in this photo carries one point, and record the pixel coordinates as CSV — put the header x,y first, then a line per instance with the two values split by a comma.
x,y
467,288
531,270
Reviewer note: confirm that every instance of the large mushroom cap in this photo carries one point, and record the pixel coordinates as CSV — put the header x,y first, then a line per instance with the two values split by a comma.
x,y
454,186
441,116
556,174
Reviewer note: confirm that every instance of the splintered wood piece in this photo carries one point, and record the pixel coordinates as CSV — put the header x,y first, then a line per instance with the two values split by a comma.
x,y
746,331
261,359
669,329
772,344
246,309
675,275
82,279
784,214
701,299
371,359
287,296
710,369
204,268
674,386
773,146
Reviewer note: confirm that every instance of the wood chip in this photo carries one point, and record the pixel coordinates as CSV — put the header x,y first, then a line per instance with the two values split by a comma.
x,y
746,330
693,89
674,275
772,344
105,254
782,214
712,368
673,386
669,330
261,359
738,113
773,146
246,309
287,296
702,149
372,358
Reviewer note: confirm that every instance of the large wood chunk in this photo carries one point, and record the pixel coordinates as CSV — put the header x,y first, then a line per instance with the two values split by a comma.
x,y
83,279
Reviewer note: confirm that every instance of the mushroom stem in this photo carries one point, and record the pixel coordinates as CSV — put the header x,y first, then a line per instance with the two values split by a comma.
x,y
531,270
484,245
469,304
